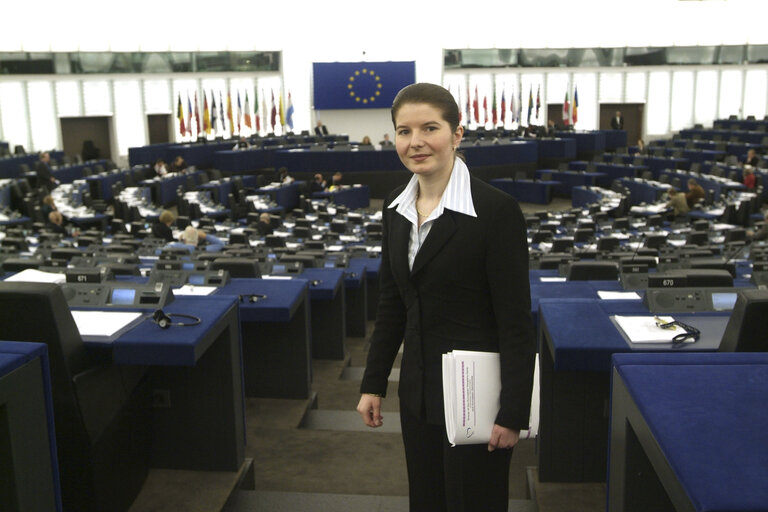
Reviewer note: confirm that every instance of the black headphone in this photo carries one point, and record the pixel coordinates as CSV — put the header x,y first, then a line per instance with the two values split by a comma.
x,y
164,319
254,297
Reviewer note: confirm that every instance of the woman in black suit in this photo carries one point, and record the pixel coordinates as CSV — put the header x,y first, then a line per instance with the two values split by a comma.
x,y
454,275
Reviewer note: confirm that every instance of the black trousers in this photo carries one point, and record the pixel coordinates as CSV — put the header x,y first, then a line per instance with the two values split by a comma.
x,y
441,478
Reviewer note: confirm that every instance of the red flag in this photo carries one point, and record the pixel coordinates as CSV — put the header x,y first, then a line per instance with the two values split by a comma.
x,y
575,106
476,106
503,108
494,112
566,111
247,112
485,109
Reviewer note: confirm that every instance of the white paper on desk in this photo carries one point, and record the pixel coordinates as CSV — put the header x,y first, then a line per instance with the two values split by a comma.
x,y
607,295
643,329
334,248
376,248
348,238
553,279
277,277
189,289
31,275
471,390
105,325
676,243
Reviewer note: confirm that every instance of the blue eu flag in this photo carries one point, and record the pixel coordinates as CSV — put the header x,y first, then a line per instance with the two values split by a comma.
x,y
348,85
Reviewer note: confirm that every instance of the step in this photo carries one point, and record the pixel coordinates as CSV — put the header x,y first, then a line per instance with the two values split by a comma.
x,y
347,421
356,373
316,502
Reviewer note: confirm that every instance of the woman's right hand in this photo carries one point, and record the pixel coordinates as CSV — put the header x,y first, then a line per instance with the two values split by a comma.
x,y
369,408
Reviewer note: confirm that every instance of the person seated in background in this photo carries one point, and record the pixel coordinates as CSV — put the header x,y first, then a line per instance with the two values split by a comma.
x,y
695,193
160,168
45,179
551,128
242,143
385,141
677,202
321,129
318,184
89,151
162,228
750,181
760,234
284,177
366,141
752,158
640,147
178,164
56,223
264,225
48,205
336,181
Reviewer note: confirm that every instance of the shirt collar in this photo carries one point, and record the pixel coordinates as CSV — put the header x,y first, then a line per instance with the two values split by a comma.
x,y
456,197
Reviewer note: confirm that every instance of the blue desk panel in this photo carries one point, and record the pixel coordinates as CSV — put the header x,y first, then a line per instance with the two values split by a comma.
x,y
561,148
525,191
353,197
586,142
677,404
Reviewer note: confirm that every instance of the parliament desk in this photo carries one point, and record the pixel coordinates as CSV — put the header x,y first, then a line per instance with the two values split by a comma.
x,y
689,433
570,179
583,196
372,266
719,186
164,189
224,187
328,312
199,155
29,471
642,191
356,290
9,167
750,137
275,330
101,184
354,197
587,143
740,124
556,149
526,191
196,375
541,290
618,171
286,196
576,341
240,161
614,139
146,155
70,173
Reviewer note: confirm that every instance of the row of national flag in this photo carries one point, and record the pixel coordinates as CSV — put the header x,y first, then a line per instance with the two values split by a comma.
x,y
237,119
477,111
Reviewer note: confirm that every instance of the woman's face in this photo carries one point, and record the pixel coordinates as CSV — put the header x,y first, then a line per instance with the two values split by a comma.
x,y
424,140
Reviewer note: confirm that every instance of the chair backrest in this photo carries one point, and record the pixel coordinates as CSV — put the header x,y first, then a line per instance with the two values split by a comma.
x,y
745,331
237,267
593,270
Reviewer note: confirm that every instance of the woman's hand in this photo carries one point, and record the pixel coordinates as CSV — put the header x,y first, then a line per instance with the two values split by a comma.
x,y
369,408
503,438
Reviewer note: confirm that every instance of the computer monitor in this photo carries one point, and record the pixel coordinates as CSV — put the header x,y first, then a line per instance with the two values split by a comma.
x,y
745,331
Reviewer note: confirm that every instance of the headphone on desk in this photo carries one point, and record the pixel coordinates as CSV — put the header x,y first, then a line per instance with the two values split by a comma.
x,y
165,320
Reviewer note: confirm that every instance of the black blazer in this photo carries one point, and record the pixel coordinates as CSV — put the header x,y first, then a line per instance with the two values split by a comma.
x,y
468,290
617,124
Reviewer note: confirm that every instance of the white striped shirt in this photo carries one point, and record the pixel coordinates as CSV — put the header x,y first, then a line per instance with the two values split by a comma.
x,y
457,197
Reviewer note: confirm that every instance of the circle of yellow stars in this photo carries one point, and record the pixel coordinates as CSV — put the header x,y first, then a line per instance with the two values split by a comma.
x,y
364,73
